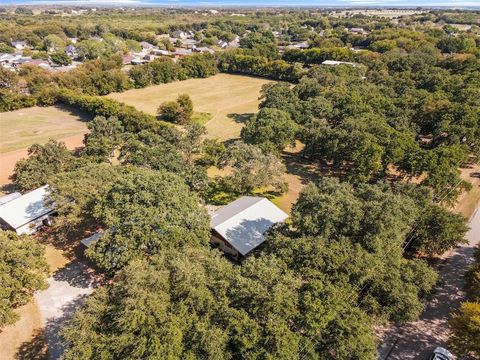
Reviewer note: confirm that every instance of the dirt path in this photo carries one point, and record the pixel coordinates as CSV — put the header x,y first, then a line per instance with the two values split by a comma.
x,y
8,159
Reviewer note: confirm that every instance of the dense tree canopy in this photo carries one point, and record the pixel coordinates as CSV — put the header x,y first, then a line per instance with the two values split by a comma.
x,y
251,169
271,129
194,304
390,127
23,270
145,212
43,162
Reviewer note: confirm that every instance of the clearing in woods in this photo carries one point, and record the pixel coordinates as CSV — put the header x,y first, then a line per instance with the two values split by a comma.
x,y
230,99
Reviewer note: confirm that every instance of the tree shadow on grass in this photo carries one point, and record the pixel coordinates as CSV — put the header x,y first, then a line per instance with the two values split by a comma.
x,y
35,349
83,115
240,118
77,274
308,171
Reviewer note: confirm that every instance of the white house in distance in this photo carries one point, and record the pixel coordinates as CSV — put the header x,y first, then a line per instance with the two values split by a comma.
x,y
26,213
19,45
239,227
335,63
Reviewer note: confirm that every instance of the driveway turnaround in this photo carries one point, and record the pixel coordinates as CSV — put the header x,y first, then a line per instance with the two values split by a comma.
x,y
69,286
417,340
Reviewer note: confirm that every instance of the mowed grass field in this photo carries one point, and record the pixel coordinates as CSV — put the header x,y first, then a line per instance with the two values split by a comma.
x,y
230,99
24,127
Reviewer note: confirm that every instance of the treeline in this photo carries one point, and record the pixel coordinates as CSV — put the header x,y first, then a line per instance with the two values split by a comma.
x,y
319,55
401,112
259,66
131,119
164,70
36,86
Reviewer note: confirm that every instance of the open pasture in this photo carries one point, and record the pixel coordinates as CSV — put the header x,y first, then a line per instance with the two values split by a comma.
x,y
25,127
230,99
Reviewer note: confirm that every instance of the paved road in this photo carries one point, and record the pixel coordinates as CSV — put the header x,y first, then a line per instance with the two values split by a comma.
x,y
416,340
68,289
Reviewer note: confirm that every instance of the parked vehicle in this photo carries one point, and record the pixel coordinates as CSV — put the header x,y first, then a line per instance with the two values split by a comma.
x,y
441,354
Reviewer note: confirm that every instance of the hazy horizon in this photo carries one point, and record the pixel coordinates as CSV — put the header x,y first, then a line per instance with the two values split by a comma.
x,y
258,3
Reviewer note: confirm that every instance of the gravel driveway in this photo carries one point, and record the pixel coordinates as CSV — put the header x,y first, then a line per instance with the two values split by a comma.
x,y
69,286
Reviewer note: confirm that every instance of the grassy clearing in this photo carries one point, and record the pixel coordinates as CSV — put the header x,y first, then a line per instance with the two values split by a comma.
x,y
229,99
24,127
469,201
201,118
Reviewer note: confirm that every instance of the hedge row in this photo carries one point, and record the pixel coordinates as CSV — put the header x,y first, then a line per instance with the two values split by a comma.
x,y
132,119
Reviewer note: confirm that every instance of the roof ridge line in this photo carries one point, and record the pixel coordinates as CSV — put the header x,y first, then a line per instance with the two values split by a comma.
x,y
258,197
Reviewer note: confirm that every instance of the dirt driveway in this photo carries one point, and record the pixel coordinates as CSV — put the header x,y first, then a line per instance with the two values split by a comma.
x,y
68,288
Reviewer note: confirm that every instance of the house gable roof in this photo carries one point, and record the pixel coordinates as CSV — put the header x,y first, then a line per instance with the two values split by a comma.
x,y
244,222
26,208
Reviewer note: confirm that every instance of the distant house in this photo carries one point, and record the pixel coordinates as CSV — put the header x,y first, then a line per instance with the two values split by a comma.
x,y
179,34
71,51
45,64
235,43
239,227
182,52
203,49
137,61
222,44
357,31
160,52
149,57
301,45
146,46
188,43
335,63
127,59
9,60
26,213
19,45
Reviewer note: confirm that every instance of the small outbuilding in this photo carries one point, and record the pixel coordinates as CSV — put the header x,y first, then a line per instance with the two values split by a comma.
x,y
26,213
239,227
93,239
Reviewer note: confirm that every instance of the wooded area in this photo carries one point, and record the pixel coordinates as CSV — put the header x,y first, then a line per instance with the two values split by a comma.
x,y
391,127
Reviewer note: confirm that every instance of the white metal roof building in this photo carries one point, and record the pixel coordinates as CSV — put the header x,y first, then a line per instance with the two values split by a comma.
x,y
335,62
9,197
243,223
27,212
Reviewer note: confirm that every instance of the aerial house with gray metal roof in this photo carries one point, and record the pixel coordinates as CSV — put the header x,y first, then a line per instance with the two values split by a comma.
x,y
239,227
26,213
